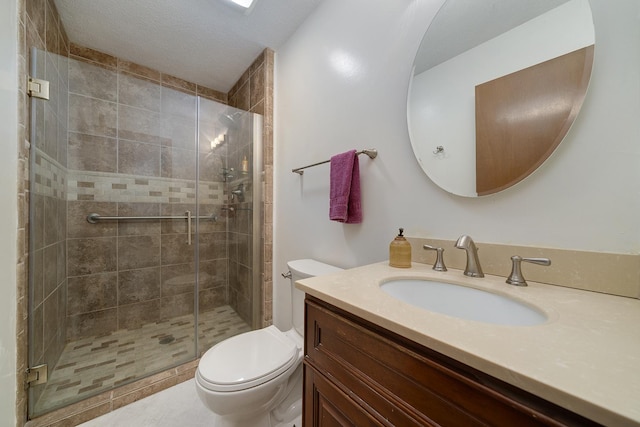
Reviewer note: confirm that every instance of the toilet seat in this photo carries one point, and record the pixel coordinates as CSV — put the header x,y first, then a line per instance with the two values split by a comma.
x,y
247,360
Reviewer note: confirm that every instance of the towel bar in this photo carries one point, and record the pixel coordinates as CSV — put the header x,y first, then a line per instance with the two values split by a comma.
x,y
371,152
93,218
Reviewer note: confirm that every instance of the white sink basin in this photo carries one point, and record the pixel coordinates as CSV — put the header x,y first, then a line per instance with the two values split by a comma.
x,y
463,302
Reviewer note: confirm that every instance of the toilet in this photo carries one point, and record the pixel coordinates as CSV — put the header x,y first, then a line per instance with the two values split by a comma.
x,y
255,379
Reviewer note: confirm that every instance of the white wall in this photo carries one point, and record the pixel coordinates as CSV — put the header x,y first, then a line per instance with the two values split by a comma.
x,y
341,83
8,213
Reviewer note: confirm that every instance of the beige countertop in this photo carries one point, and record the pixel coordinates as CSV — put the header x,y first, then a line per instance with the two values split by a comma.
x,y
585,358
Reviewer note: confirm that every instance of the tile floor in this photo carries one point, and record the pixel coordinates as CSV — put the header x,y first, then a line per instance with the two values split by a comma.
x,y
93,365
178,406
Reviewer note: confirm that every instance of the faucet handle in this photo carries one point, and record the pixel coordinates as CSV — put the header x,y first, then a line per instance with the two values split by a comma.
x,y
439,264
516,278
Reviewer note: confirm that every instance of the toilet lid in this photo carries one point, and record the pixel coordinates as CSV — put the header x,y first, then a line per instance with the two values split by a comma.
x,y
247,360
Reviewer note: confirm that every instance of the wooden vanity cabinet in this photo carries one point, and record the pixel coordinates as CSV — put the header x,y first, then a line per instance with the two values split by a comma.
x,y
359,374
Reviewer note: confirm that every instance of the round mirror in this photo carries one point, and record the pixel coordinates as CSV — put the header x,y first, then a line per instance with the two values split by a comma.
x,y
496,85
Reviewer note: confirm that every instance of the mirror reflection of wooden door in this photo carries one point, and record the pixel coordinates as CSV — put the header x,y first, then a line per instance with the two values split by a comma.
x,y
522,117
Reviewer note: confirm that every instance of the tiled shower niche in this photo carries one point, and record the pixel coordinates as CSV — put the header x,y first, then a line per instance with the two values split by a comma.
x,y
116,300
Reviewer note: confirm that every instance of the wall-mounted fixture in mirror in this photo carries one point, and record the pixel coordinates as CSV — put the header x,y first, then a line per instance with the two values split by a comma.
x,y
495,88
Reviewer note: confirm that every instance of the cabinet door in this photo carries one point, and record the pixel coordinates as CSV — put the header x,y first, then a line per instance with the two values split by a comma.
x,y
329,406
400,383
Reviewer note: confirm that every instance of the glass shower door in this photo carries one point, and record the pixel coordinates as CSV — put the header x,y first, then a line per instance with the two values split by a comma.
x,y
113,230
48,218
230,183
145,228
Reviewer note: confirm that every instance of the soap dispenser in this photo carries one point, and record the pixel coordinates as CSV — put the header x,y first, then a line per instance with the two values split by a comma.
x,y
400,252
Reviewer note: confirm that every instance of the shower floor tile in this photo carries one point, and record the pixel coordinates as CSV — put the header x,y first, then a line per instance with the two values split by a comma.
x,y
96,364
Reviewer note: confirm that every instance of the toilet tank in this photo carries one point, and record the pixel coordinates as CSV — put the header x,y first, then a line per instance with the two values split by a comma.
x,y
302,269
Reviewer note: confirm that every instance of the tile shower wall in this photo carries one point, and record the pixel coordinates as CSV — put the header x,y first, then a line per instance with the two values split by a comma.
x,y
254,92
132,153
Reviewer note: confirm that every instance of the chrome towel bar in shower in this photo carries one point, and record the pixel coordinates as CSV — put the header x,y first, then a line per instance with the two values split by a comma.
x,y
371,152
93,218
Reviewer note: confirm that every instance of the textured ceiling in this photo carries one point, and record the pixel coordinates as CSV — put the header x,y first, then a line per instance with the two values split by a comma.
x,y
203,41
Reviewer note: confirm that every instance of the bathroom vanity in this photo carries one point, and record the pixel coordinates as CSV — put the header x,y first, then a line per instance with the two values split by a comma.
x,y
359,374
371,360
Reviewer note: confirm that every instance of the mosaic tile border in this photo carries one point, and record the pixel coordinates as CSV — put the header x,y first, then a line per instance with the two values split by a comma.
x,y
109,187
49,176
116,187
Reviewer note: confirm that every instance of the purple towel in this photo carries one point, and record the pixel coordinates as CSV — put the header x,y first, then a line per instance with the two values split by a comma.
x,y
344,197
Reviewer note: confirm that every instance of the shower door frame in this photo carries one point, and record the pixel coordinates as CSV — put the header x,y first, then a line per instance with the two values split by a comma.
x,y
258,218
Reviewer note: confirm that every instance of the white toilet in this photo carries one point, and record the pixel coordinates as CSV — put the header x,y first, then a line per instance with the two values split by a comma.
x,y
255,379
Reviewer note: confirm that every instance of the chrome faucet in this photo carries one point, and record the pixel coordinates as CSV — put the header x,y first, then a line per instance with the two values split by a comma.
x,y
439,264
516,278
473,268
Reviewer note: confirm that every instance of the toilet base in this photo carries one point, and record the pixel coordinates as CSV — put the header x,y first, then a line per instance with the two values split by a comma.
x,y
296,422
289,417
262,420
287,413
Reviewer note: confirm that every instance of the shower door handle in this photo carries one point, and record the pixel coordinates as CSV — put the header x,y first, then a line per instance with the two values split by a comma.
x,y
188,214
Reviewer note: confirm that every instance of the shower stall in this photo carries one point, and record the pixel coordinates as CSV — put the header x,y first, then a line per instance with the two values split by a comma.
x,y
145,216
